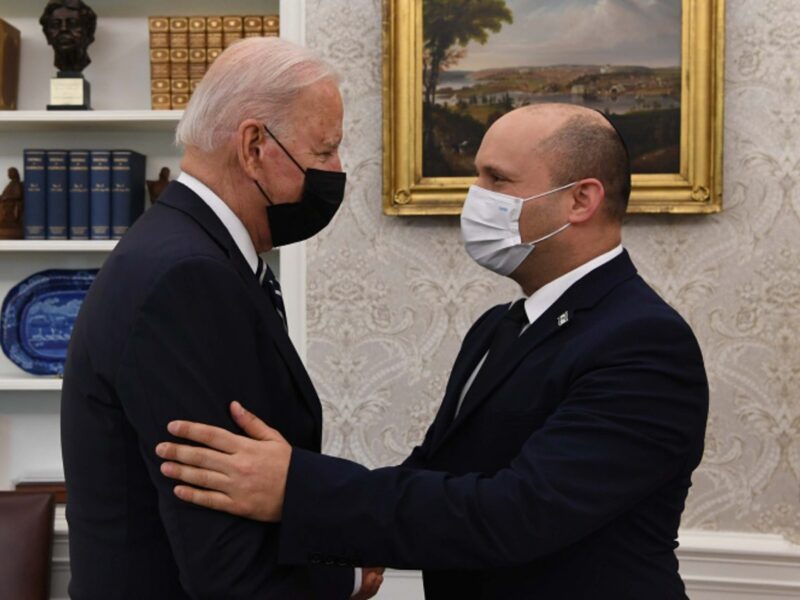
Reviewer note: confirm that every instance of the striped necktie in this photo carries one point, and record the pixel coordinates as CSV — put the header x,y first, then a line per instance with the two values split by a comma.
x,y
269,283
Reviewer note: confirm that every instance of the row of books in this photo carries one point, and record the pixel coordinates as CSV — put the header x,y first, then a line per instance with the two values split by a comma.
x,y
82,194
182,48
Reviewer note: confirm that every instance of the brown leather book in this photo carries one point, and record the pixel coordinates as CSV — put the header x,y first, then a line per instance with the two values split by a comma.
x,y
179,32
179,63
160,86
197,32
159,32
252,26
197,63
232,30
159,63
160,101
271,26
213,32
179,86
179,100
9,65
212,54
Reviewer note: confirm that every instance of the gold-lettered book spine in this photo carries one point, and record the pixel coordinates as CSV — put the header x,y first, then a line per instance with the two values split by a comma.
x,y
9,65
159,32
252,26
197,62
212,54
271,26
160,86
179,63
179,100
160,101
213,32
232,30
197,32
159,72
178,32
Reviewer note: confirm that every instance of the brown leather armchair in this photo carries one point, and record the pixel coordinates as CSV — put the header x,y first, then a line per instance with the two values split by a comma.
x,y
26,545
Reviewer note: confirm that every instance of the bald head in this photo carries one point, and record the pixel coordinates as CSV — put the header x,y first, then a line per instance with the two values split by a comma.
x,y
574,143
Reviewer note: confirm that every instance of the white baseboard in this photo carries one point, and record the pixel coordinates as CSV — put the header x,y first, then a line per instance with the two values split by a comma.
x,y
715,566
726,565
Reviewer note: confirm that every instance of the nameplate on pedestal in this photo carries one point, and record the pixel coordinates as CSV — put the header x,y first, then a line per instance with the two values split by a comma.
x,y
69,93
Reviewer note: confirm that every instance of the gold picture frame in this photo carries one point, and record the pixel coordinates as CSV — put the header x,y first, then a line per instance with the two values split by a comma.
x,y
695,189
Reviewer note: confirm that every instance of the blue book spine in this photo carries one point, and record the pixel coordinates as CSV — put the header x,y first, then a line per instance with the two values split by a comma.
x,y
100,194
57,194
79,195
127,190
35,202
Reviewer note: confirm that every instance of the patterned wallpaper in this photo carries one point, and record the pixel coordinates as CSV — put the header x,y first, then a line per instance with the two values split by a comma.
x,y
389,299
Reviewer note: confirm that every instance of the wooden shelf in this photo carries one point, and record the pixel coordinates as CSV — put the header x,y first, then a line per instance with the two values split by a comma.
x,y
30,383
48,120
57,245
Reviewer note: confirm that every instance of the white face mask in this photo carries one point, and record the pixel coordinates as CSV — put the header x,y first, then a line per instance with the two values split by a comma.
x,y
490,228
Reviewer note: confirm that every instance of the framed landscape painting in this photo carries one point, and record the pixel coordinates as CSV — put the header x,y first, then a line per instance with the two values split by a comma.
x,y
453,67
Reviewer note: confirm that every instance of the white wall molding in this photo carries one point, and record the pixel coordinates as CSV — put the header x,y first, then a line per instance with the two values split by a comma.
x,y
715,565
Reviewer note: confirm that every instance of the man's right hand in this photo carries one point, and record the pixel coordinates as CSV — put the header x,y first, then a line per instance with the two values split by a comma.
x,y
371,581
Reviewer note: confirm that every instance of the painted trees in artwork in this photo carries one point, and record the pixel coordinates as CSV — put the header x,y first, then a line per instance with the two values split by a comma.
x,y
449,26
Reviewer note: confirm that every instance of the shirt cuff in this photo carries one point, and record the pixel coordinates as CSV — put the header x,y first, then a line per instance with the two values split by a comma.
x,y
357,578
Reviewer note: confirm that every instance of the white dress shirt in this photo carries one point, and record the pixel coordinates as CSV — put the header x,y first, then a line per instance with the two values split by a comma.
x,y
245,244
543,298
224,213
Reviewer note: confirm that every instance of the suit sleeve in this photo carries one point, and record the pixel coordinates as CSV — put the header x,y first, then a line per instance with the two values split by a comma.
x,y
629,422
192,350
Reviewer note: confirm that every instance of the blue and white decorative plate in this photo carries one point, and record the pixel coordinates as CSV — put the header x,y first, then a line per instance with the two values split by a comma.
x,y
37,319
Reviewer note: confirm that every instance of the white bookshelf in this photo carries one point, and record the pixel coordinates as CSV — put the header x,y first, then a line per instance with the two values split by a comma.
x,y
57,245
43,120
31,383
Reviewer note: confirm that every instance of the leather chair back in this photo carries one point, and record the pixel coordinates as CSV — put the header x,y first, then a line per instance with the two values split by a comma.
x,y
26,545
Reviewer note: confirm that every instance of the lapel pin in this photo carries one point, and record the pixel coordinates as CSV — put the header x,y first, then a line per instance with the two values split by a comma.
x,y
563,318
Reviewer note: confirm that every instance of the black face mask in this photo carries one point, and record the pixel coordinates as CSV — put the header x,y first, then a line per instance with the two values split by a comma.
x,y
323,193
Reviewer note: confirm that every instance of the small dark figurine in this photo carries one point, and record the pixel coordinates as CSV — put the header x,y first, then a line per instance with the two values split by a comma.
x,y
159,185
69,27
11,208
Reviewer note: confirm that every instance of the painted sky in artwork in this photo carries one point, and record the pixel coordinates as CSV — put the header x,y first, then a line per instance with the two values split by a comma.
x,y
546,32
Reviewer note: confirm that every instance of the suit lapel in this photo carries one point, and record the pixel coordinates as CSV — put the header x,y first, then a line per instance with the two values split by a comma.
x,y
467,360
581,296
182,198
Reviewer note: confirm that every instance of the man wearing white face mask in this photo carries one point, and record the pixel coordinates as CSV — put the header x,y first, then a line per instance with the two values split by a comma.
x,y
558,464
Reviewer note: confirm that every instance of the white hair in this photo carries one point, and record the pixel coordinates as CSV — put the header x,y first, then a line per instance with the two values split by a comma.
x,y
255,78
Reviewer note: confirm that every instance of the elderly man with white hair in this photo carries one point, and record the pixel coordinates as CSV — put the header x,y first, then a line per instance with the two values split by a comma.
x,y
185,317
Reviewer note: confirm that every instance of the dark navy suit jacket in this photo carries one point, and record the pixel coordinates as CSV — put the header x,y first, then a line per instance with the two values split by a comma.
x,y
176,326
563,477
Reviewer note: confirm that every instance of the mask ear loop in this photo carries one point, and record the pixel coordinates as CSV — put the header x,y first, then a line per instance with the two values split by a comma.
x,y
558,189
282,147
263,193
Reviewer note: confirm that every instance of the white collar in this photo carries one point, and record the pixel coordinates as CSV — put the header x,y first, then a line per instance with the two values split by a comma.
x,y
545,296
224,213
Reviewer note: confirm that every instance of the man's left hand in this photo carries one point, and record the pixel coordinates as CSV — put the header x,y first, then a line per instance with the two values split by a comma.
x,y
244,476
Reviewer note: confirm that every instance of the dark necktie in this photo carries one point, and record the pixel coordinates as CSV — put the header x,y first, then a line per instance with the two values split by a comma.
x,y
505,335
268,281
